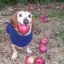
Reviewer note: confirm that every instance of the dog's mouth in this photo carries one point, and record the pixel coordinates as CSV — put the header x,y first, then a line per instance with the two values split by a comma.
x,y
23,28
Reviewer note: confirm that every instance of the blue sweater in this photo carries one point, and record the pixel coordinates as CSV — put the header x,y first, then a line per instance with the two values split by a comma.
x,y
17,39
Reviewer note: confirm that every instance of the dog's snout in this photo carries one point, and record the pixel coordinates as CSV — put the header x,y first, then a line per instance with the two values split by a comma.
x,y
25,22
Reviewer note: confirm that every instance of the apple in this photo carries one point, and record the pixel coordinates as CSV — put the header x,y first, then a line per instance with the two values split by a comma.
x,y
43,6
11,9
49,5
62,7
44,41
43,48
31,8
23,29
29,60
38,8
46,20
59,4
46,7
42,16
39,60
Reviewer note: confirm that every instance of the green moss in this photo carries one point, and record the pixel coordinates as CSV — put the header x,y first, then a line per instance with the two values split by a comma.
x,y
36,15
62,61
55,13
1,30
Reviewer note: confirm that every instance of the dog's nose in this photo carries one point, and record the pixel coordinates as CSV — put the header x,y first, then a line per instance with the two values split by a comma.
x,y
25,22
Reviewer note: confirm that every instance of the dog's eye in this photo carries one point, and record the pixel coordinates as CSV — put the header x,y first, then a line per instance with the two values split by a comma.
x,y
20,15
29,16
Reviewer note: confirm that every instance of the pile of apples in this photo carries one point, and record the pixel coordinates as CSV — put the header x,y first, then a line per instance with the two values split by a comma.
x,y
44,18
49,6
60,6
32,60
36,8
42,49
43,45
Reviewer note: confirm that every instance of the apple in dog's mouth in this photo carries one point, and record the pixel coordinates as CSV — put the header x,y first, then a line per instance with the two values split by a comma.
x,y
23,29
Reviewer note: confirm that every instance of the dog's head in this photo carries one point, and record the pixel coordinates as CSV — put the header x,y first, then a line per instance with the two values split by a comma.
x,y
23,17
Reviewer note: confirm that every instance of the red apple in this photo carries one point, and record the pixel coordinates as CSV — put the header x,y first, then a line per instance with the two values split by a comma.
x,y
44,41
29,60
59,4
62,7
11,9
38,8
39,60
43,6
43,48
23,29
31,8
49,5
46,20
46,7
42,16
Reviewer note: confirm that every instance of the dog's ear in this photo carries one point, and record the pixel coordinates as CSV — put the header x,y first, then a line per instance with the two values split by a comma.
x,y
33,22
14,20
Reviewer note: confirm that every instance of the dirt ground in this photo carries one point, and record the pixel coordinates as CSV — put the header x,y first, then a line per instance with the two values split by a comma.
x,y
55,52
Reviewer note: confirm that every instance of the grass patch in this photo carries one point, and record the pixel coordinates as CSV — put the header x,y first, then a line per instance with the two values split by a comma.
x,y
52,13
36,15
60,32
61,35
1,30
3,3
62,61
55,13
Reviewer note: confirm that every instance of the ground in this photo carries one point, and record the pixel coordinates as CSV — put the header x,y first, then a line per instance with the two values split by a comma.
x,y
51,29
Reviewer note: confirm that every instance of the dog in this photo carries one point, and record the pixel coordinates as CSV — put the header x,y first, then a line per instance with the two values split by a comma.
x,y
19,40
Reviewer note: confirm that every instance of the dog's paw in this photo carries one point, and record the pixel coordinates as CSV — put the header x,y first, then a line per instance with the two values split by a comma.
x,y
14,56
29,51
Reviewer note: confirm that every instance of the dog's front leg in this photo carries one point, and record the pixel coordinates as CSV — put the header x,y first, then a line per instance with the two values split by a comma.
x,y
14,55
29,50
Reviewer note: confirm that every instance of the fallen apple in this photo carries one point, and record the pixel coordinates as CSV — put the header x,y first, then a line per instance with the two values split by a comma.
x,y
39,60
38,8
46,7
46,20
42,16
44,41
49,5
31,8
29,60
43,48
23,29
62,6
11,9
59,4
43,6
